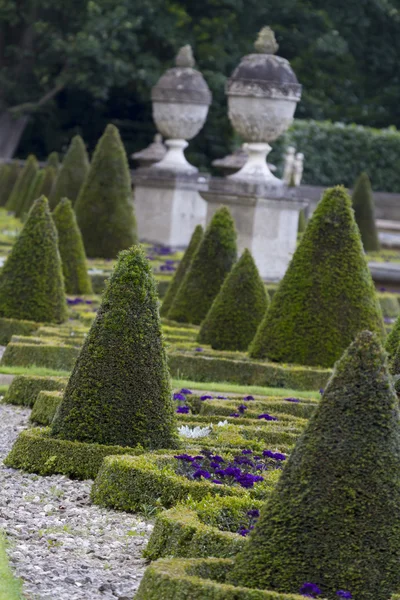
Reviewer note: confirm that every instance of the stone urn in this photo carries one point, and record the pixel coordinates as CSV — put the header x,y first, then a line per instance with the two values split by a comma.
x,y
181,99
263,92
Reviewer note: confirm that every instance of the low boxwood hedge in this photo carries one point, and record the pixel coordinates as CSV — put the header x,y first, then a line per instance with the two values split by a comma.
x,y
198,579
10,327
274,406
245,372
129,482
389,304
51,356
45,407
25,388
36,451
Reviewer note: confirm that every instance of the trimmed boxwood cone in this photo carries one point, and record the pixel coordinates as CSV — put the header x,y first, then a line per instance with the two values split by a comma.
x,y
32,195
327,294
119,392
302,222
73,172
211,263
72,251
364,212
9,177
181,271
238,309
49,179
23,184
104,208
334,517
393,339
53,160
31,282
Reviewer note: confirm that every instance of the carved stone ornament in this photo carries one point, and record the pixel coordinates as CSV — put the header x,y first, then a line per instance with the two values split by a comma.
x,y
181,99
262,95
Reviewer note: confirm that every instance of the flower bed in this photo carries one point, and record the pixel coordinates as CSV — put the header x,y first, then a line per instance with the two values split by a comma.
x,y
198,579
214,526
128,483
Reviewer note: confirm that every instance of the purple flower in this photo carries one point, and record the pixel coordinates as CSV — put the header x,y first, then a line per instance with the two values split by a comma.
x,y
214,465
267,417
217,458
206,397
199,457
182,410
242,408
221,398
321,391
274,455
292,399
186,391
253,513
201,473
310,590
179,396
232,471
219,472
217,481
245,480
234,415
247,451
243,531
185,457
343,594
248,398
198,349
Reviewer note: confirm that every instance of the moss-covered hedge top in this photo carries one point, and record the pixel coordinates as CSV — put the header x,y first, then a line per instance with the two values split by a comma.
x,y
334,517
31,283
327,295
119,392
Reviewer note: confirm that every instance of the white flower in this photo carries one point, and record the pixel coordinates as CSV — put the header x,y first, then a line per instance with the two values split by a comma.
x,y
195,432
222,424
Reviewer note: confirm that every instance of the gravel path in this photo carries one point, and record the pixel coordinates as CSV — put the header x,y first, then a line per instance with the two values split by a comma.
x,y
62,547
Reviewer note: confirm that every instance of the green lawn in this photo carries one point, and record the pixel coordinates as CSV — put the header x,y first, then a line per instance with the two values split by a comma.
x,y
10,588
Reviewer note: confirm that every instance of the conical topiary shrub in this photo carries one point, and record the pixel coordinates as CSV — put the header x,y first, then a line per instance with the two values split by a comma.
x,y
334,517
53,160
31,282
33,194
302,224
238,309
181,271
10,174
49,179
211,263
119,391
104,208
393,339
327,294
72,174
364,211
23,184
72,251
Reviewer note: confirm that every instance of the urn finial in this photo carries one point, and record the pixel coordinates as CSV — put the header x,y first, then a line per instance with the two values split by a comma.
x,y
266,42
185,58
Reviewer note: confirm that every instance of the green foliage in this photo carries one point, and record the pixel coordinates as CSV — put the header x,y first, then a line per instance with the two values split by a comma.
x,y
55,356
245,372
389,304
31,283
72,250
211,263
363,204
348,457
198,579
393,339
302,222
326,296
181,271
36,451
10,327
10,588
237,310
179,532
335,153
129,482
104,208
119,391
9,175
33,194
25,388
72,174
53,161
45,407
23,184
49,178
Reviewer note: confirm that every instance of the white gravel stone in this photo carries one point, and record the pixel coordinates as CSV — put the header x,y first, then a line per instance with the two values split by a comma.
x,y
61,546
